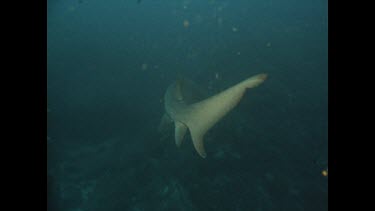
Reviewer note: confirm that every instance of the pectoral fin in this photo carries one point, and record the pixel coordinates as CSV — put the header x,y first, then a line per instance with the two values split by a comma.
x,y
197,137
180,131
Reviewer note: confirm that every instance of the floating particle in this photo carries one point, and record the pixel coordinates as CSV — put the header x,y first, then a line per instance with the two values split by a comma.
x,y
268,44
234,29
219,21
238,53
198,18
217,76
71,8
325,172
186,23
144,66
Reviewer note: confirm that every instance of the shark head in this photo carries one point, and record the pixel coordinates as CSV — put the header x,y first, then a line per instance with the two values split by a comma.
x,y
188,110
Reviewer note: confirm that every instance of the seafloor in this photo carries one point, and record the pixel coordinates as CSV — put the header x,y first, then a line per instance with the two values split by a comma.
x,y
123,174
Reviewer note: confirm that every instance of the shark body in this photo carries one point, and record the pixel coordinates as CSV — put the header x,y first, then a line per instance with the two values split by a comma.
x,y
199,116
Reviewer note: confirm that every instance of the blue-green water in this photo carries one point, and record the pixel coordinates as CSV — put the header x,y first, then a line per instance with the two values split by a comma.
x,y
109,64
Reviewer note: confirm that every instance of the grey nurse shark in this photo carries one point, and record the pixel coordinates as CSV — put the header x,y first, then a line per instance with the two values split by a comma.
x,y
183,109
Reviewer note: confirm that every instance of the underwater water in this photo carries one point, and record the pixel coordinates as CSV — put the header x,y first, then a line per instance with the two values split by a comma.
x,y
109,64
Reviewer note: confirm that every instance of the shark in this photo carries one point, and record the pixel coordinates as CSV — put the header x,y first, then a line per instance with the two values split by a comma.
x,y
185,107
